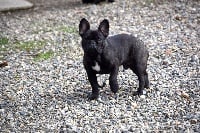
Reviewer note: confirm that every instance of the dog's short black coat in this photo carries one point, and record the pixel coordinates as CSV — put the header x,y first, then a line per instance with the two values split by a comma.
x,y
104,55
95,1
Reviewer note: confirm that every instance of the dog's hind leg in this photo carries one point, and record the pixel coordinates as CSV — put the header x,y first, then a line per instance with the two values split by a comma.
x,y
146,80
140,72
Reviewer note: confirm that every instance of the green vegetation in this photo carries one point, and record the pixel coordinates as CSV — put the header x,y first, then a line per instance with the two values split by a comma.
x,y
30,45
3,41
33,47
67,29
43,56
3,46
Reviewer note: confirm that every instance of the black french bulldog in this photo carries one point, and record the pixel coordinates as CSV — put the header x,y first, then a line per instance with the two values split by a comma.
x,y
95,1
104,55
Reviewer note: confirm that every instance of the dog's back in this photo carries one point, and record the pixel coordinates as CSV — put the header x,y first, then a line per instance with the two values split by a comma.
x,y
127,48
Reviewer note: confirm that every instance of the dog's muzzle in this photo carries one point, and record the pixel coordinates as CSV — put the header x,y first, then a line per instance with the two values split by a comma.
x,y
90,47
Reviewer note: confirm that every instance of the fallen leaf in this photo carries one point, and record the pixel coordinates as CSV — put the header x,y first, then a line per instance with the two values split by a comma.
x,y
3,64
185,95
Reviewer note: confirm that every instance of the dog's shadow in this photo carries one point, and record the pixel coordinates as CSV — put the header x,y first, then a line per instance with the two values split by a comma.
x,y
80,95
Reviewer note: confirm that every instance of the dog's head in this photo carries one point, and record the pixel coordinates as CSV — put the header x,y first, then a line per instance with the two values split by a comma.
x,y
93,41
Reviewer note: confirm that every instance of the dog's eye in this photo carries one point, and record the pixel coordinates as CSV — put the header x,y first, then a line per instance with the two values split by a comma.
x,y
86,37
99,40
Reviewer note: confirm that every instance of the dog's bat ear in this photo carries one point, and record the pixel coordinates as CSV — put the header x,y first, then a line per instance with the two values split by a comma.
x,y
104,27
84,26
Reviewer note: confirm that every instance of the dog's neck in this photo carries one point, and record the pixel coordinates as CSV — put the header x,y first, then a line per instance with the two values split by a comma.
x,y
100,51
98,58
105,42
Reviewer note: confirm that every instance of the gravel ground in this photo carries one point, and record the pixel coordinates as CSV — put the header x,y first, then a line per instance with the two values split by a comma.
x,y
50,94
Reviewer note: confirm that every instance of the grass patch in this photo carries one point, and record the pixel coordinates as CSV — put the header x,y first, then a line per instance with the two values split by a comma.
x,y
44,30
67,29
3,46
43,56
3,41
30,45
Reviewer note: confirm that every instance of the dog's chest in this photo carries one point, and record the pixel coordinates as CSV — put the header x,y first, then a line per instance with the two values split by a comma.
x,y
96,67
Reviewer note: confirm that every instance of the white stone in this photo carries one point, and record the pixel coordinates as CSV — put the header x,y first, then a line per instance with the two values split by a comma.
x,y
142,96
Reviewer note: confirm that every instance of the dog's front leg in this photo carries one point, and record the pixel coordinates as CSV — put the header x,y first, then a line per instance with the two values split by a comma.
x,y
93,81
113,80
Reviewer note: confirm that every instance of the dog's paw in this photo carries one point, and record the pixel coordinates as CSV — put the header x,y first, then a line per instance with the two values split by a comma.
x,y
114,90
93,96
137,93
147,86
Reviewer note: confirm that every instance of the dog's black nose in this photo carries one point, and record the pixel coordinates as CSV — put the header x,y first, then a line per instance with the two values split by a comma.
x,y
93,44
